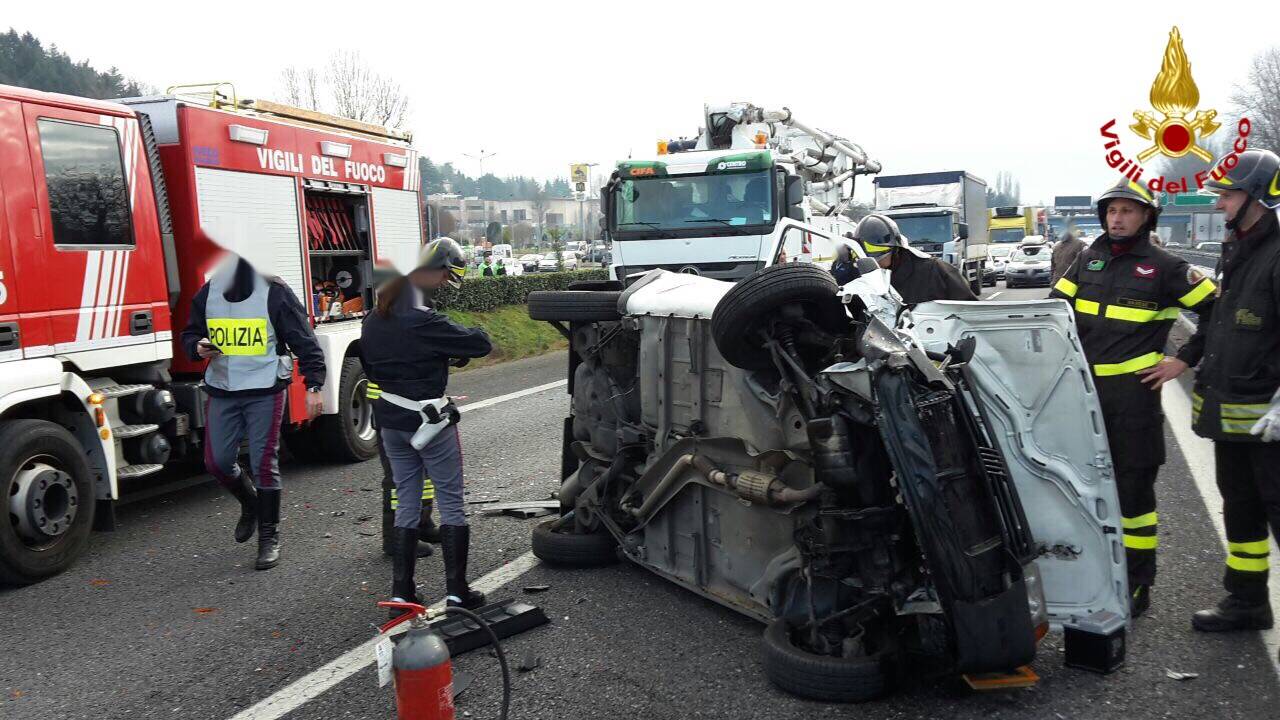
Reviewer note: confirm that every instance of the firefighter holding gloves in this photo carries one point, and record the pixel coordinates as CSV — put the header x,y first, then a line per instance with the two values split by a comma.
x,y
1236,400
407,348
248,324
1127,294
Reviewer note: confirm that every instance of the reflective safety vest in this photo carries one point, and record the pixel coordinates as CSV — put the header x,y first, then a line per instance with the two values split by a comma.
x,y
243,332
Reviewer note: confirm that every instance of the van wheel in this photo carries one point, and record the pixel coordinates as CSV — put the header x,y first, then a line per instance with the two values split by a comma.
x,y
48,498
821,677
574,305
349,434
747,308
570,549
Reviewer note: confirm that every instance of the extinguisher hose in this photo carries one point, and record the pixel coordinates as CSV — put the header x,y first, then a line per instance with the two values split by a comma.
x,y
497,646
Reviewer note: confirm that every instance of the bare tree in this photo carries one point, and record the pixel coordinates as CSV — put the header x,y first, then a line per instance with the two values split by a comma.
x,y
301,87
1259,99
348,87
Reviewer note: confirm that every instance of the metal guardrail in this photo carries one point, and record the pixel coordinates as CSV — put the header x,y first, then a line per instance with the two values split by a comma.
x,y
1195,257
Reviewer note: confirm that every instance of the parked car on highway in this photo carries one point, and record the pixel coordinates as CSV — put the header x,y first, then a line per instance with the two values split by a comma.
x,y
1028,265
548,262
997,258
1209,247
530,262
598,254
876,493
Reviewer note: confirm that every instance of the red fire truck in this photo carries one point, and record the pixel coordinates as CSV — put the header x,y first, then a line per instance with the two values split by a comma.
x,y
101,250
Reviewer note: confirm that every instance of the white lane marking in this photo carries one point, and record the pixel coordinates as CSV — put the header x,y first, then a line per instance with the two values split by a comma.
x,y
315,683
480,405
995,295
1198,452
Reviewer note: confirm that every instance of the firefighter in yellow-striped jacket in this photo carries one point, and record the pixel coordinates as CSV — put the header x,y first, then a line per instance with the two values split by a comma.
x,y
1236,402
427,531
1127,294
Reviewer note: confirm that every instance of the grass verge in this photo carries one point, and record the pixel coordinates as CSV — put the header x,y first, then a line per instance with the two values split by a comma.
x,y
514,334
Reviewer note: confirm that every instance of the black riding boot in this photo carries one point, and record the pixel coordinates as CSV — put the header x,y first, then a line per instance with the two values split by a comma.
x,y
455,541
388,536
243,491
404,544
427,530
268,528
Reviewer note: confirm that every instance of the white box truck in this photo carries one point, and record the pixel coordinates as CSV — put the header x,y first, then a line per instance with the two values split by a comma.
x,y
941,213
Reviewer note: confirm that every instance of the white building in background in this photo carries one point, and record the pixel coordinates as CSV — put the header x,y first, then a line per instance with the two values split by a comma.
x,y
579,217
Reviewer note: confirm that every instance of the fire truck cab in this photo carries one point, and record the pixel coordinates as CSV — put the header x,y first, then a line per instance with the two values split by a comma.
x,y
102,210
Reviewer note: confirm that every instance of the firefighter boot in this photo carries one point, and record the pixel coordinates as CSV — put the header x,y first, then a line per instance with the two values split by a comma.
x,y
428,532
243,491
404,556
268,528
455,541
1139,600
1232,613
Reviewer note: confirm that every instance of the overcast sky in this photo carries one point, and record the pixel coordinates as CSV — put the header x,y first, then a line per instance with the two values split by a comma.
x,y
982,87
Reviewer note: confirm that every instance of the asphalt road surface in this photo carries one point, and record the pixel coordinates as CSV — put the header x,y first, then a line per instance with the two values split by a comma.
x,y
166,618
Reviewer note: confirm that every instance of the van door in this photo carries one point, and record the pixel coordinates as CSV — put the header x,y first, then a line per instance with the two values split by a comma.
x,y
1030,373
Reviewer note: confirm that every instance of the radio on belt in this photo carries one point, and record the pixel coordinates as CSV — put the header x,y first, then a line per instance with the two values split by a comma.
x,y
1095,642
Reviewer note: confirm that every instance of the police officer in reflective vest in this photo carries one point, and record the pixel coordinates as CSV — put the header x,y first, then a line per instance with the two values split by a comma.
x,y
408,348
916,275
246,326
1236,401
1127,295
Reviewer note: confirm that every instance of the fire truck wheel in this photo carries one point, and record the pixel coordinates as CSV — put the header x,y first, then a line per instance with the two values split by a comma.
x,y
822,677
349,434
570,549
50,500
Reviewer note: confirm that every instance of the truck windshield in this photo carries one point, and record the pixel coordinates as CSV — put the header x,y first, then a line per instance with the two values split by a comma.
x,y
1008,235
926,228
709,204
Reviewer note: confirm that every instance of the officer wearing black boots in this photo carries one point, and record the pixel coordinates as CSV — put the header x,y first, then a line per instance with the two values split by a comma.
x,y
408,348
1236,401
1127,294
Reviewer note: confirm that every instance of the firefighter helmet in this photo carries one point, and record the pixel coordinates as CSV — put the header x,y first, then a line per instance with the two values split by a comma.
x,y
1127,189
444,254
1257,173
878,234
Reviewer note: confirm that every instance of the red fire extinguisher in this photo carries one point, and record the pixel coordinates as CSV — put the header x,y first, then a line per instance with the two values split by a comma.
x,y
421,667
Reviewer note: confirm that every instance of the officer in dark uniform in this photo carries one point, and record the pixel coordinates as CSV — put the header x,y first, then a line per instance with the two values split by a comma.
x,y
1127,295
408,348
916,276
1236,402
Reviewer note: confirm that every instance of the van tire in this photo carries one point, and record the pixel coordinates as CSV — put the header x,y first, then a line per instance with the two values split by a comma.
x,y
22,443
348,435
742,310
574,305
570,549
821,677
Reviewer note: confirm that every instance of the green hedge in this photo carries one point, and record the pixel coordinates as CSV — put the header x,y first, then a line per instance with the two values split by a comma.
x,y
484,294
